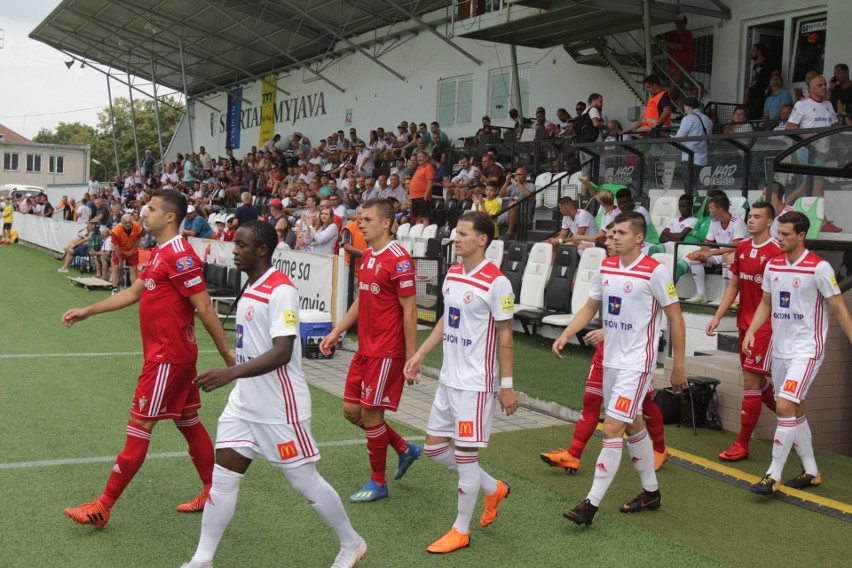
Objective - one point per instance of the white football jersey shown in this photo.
(609, 217)
(733, 233)
(269, 309)
(773, 229)
(809, 113)
(677, 224)
(633, 298)
(582, 220)
(472, 304)
(799, 309)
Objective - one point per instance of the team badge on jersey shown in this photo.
(796, 282)
(785, 299)
(614, 305)
(468, 297)
(289, 318)
(403, 266)
(185, 263)
(671, 290)
(239, 336)
(250, 313)
(628, 287)
(455, 317)
(508, 304)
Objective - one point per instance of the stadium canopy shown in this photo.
(204, 46)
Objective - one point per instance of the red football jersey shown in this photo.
(385, 277)
(749, 263)
(166, 316)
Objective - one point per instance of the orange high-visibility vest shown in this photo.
(652, 113)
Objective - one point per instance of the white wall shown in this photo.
(76, 164)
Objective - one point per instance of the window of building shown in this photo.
(501, 91)
(455, 100)
(58, 162)
(34, 163)
(10, 162)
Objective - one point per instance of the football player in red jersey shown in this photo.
(170, 293)
(386, 305)
(747, 270)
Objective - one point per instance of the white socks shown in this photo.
(217, 512)
(697, 269)
(469, 484)
(642, 453)
(324, 499)
(804, 447)
(785, 434)
(606, 467)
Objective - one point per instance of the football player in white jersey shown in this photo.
(268, 415)
(636, 288)
(478, 308)
(798, 286)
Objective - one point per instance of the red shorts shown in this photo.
(374, 382)
(594, 382)
(760, 361)
(165, 391)
(132, 260)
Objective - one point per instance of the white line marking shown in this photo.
(108, 459)
(118, 353)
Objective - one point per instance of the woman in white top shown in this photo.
(321, 237)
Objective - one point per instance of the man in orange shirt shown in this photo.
(420, 190)
(125, 239)
(353, 241)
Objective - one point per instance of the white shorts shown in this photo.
(793, 377)
(463, 415)
(284, 445)
(624, 391)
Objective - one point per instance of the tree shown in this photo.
(100, 137)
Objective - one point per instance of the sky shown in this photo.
(39, 91)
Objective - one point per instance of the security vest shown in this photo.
(358, 240)
(652, 113)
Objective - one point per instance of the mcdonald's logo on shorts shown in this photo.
(287, 450)
(465, 428)
(790, 386)
(622, 404)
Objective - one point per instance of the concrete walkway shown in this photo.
(330, 374)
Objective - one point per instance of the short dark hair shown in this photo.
(636, 220)
(721, 201)
(764, 205)
(685, 197)
(651, 79)
(482, 223)
(761, 48)
(566, 200)
(594, 97)
(262, 233)
(173, 202)
(775, 189)
(623, 193)
(842, 66)
(384, 207)
(799, 220)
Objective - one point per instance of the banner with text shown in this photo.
(235, 107)
(267, 108)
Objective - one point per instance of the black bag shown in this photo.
(705, 401)
(670, 406)
(584, 129)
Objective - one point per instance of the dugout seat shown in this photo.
(536, 273)
(587, 270)
(558, 293)
(814, 210)
(513, 265)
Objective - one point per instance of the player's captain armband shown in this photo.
(192, 282)
(508, 304)
(833, 281)
(289, 318)
(671, 290)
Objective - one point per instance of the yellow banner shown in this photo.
(267, 109)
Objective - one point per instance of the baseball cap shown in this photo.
(692, 102)
(190, 209)
(275, 203)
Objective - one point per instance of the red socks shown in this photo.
(654, 423)
(587, 424)
(749, 415)
(127, 463)
(397, 442)
(377, 447)
(767, 395)
(200, 448)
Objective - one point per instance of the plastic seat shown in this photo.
(558, 293)
(814, 210)
(536, 273)
(494, 252)
(513, 265)
(587, 270)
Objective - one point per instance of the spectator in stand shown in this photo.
(218, 230)
(70, 212)
(442, 174)
(516, 187)
(703, 97)
(148, 164)
(230, 229)
(491, 132)
(94, 185)
(694, 123)
(490, 172)
(286, 234)
(680, 225)
(678, 42)
(169, 179)
(190, 173)
(125, 241)
(276, 212)
(437, 134)
(776, 97)
(563, 120)
(101, 258)
(589, 127)
(321, 236)
(45, 208)
(519, 121)
(101, 211)
(579, 108)
(814, 112)
(195, 225)
(353, 242)
(740, 123)
(420, 190)
(658, 110)
(395, 189)
(247, 211)
(337, 207)
(575, 221)
(115, 215)
(841, 90)
(541, 122)
(461, 186)
(759, 83)
(489, 204)
(89, 240)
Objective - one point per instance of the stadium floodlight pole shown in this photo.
(133, 122)
(156, 108)
(516, 81)
(112, 122)
(186, 94)
(646, 27)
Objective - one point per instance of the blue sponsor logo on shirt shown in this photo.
(185, 263)
(455, 317)
(785, 299)
(614, 305)
(239, 336)
(403, 266)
